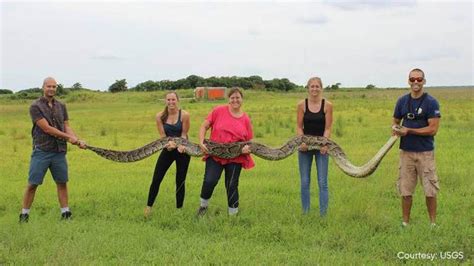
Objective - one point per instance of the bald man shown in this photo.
(50, 132)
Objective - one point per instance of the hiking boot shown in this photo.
(24, 217)
(201, 211)
(67, 215)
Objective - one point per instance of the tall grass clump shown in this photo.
(115, 142)
(339, 126)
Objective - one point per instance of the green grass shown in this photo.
(107, 198)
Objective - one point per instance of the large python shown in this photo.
(232, 150)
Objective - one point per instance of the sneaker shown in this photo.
(201, 211)
(24, 217)
(433, 226)
(67, 215)
(404, 225)
(233, 211)
(147, 212)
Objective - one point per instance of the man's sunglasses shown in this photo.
(52, 86)
(416, 79)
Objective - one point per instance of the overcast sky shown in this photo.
(352, 42)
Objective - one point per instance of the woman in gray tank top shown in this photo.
(171, 122)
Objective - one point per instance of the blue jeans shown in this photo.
(305, 160)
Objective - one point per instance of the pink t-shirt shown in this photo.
(226, 129)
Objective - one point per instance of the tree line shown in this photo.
(193, 81)
(33, 93)
(251, 83)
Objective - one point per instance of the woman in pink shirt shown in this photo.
(228, 124)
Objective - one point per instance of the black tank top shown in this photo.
(314, 123)
(174, 130)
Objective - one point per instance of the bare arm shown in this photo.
(395, 122)
(159, 125)
(328, 124)
(202, 131)
(430, 130)
(299, 118)
(184, 133)
(246, 148)
(186, 124)
(69, 136)
(68, 129)
(299, 124)
(202, 135)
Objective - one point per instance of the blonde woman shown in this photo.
(314, 117)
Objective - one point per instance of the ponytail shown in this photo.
(164, 115)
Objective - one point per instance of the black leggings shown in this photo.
(213, 174)
(162, 165)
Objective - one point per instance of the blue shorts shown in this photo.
(41, 161)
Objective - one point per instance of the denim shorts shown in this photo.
(41, 161)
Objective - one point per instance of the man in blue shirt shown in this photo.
(420, 114)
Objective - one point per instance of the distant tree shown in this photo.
(5, 91)
(25, 95)
(370, 87)
(256, 79)
(60, 90)
(166, 85)
(258, 86)
(279, 84)
(257, 82)
(118, 86)
(181, 84)
(194, 81)
(76, 86)
(287, 84)
(31, 90)
(149, 85)
(243, 83)
(215, 82)
(33, 93)
(334, 86)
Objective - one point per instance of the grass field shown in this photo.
(107, 198)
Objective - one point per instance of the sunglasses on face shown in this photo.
(51, 86)
(416, 79)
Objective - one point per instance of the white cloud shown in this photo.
(320, 20)
(370, 4)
